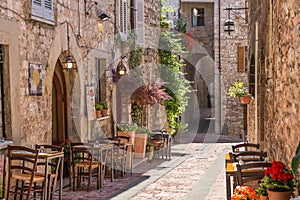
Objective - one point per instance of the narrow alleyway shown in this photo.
(195, 171)
(197, 174)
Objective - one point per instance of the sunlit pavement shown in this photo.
(197, 174)
(195, 171)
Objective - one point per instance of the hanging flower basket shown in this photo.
(245, 99)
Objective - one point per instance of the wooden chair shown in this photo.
(246, 146)
(246, 156)
(253, 171)
(158, 142)
(84, 164)
(120, 153)
(54, 165)
(22, 166)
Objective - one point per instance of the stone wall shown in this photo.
(233, 113)
(280, 51)
(43, 43)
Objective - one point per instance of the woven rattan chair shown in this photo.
(22, 167)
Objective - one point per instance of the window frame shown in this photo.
(43, 10)
(200, 18)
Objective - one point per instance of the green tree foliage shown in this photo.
(170, 48)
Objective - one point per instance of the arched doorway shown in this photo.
(59, 108)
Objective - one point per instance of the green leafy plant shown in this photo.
(126, 127)
(295, 161)
(99, 106)
(238, 89)
(262, 189)
(142, 129)
(170, 46)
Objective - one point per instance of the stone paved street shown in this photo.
(198, 174)
(195, 171)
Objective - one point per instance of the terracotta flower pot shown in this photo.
(245, 99)
(140, 143)
(263, 197)
(104, 112)
(279, 195)
(98, 113)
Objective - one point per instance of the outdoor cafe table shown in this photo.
(48, 156)
(231, 171)
(126, 145)
(101, 147)
(168, 142)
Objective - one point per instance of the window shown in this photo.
(198, 17)
(101, 82)
(43, 9)
(123, 19)
(252, 76)
(139, 22)
(2, 111)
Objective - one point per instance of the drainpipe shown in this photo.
(256, 81)
(220, 71)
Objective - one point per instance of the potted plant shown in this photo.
(149, 151)
(104, 109)
(244, 193)
(295, 164)
(128, 129)
(262, 191)
(279, 181)
(140, 141)
(239, 90)
(98, 108)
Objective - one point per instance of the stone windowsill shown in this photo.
(102, 118)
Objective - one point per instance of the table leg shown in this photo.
(112, 163)
(61, 177)
(228, 186)
(46, 180)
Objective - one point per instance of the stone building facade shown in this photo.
(34, 38)
(212, 81)
(275, 27)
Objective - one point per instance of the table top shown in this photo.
(4, 143)
(41, 154)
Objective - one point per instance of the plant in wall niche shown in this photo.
(147, 94)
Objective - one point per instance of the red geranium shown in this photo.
(278, 177)
(244, 193)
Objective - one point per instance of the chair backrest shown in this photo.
(246, 146)
(157, 139)
(248, 156)
(22, 160)
(55, 163)
(81, 152)
(253, 171)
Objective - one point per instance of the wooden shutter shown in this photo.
(48, 10)
(241, 59)
(37, 8)
(43, 9)
(123, 19)
(139, 21)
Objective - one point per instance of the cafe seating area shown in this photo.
(37, 171)
(245, 165)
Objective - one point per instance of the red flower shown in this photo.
(244, 193)
(278, 177)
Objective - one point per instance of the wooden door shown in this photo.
(59, 112)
